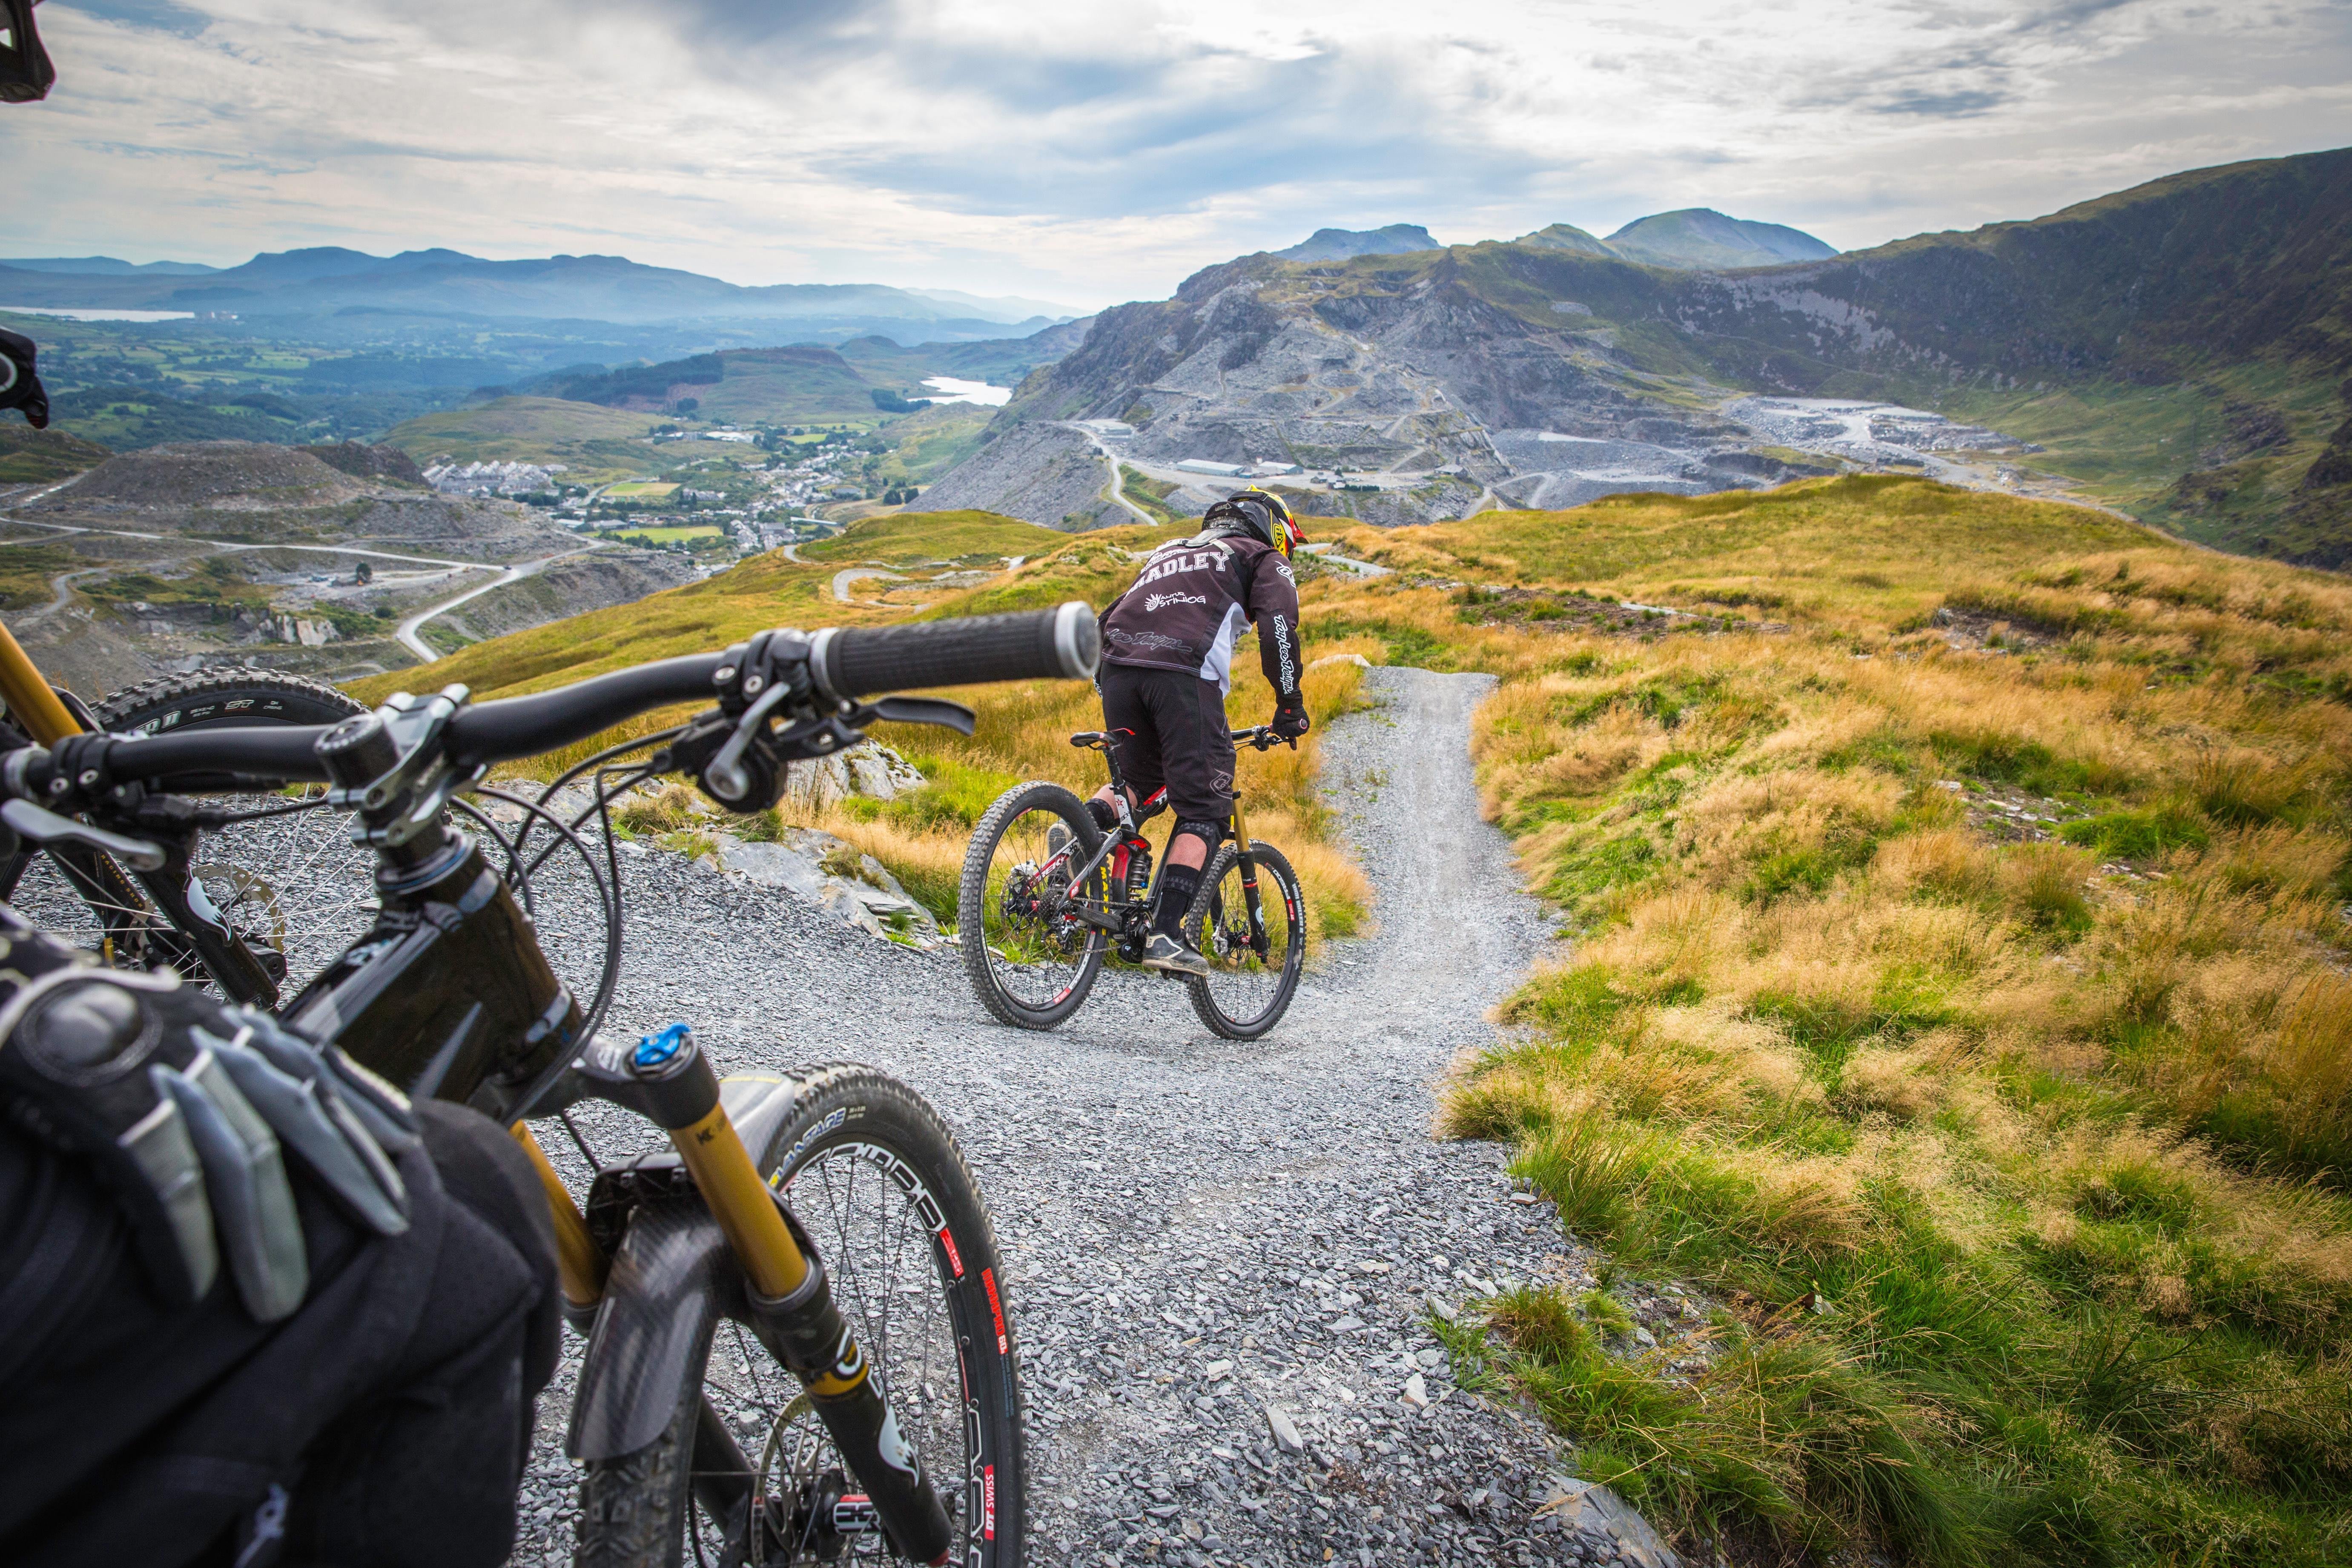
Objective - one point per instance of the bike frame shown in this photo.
(1115, 850)
(450, 995)
(192, 932)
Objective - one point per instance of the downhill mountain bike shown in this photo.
(800, 1346)
(1046, 896)
(257, 904)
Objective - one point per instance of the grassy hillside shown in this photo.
(1958, 1001)
(592, 443)
(30, 457)
(785, 386)
(962, 537)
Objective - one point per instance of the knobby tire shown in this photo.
(1278, 888)
(635, 1509)
(975, 898)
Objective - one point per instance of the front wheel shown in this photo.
(292, 887)
(876, 1179)
(1255, 945)
(1030, 958)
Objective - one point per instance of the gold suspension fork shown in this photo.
(792, 1306)
(36, 708)
(579, 1263)
(29, 696)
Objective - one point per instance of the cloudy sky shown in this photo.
(1090, 152)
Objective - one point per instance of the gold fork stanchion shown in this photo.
(579, 1263)
(29, 696)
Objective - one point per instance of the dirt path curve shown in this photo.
(1198, 1231)
(1115, 488)
(408, 630)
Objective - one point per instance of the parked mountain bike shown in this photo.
(1046, 896)
(823, 1221)
(259, 904)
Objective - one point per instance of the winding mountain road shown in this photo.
(1115, 489)
(407, 631)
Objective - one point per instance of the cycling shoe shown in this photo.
(1170, 956)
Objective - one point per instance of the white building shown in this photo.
(491, 479)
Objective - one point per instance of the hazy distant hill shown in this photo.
(1566, 236)
(1702, 237)
(802, 382)
(107, 267)
(328, 279)
(1339, 244)
(1693, 239)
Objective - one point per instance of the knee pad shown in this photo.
(1208, 833)
(1105, 815)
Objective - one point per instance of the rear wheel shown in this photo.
(1252, 974)
(877, 1181)
(1030, 960)
(293, 888)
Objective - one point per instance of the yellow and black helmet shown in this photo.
(1261, 514)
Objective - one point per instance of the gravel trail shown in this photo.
(1197, 1233)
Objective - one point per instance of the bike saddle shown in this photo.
(1090, 738)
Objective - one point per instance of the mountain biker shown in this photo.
(254, 1306)
(1167, 665)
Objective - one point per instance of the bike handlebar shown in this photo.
(1261, 737)
(843, 663)
(862, 661)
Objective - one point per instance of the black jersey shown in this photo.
(1195, 597)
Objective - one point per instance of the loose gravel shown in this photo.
(1221, 1257)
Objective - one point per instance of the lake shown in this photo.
(948, 389)
(104, 315)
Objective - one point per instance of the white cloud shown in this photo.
(1093, 153)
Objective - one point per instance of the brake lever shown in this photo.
(920, 710)
(47, 827)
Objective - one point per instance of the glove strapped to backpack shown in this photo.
(186, 1108)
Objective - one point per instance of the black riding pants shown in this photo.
(1169, 728)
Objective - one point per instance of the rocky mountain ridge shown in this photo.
(1538, 373)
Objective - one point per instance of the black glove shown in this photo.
(184, 1106)
(19, 387)
(1290, 719)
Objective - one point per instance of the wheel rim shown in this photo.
(1035, 957)
(44, 896)
(293, 885)
(866, 1209)
(1243, 983)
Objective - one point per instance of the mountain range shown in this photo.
(2180, 349)
(330, 280)
(1692, 238)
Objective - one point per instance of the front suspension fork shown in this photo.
(792, 1306)
(1251, 899)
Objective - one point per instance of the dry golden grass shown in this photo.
(2076, 1111)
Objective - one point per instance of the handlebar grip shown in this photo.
(861, 661)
